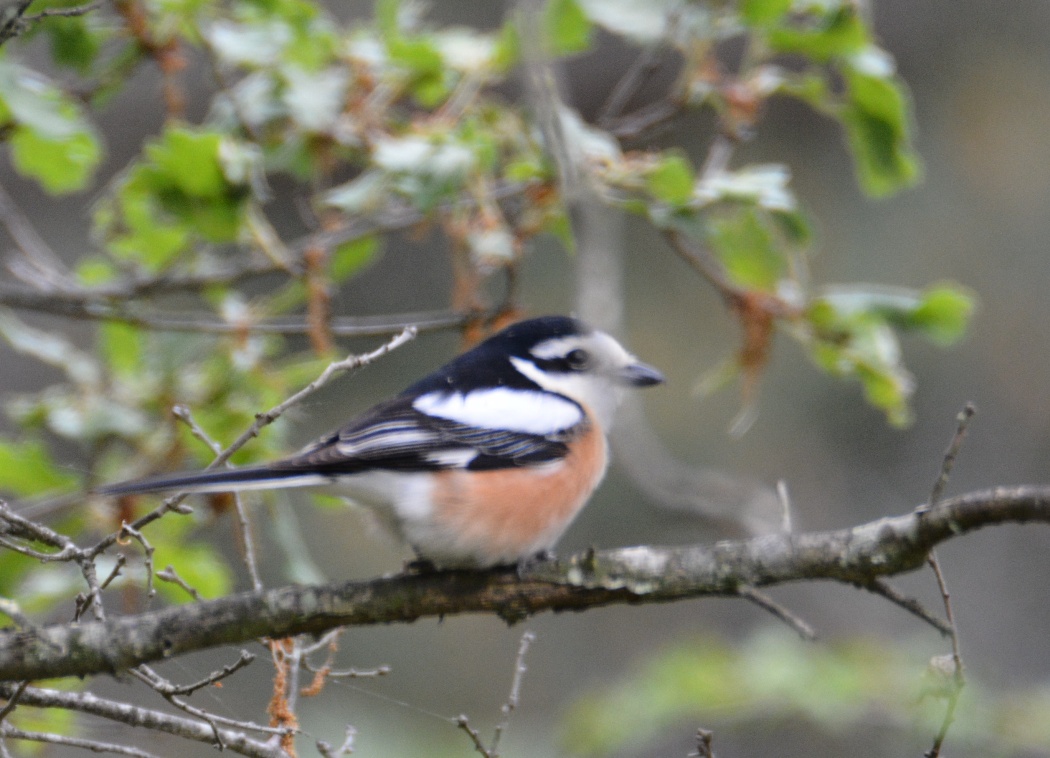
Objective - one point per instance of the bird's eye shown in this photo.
(578, 359)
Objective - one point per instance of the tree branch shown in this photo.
(142, 718)
(633, 575)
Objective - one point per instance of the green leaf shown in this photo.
(52, 142)
(763, 12)
(26, 469)
(567, 26)
(94, 271)
(60, 165)
(508, 48)
(121, 346)
(189, 162)
(745, 244)
(853, 337)
(75, 42)
(823, 34)
(671, 180)
(876, 117)
(351, 257)
(944, 313)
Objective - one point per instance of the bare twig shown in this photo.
(461, 721)
(464, 723)
(643, 67)
(704, 264)
(346, 748)
(10, 609)
(350, 363)
(40, 264)
(963, 424)
(9, 732)
(142, 718)
(12, 700)
(168, 574)
(703, 745)
(513, 696)
(784, 497)
(764, 601)
(12, 22)
(958, 675)
(182, 413)
(884, 589)
(79, 10)
(170, 692)
(216, 676)
(147, 554)
(118, 566)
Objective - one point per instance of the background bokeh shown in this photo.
(979, 73)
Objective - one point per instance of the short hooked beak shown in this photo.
(640, 374)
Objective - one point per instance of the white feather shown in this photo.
(401, 437)
(503, 408)
(452, 458)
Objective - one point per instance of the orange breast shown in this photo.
(503, 515)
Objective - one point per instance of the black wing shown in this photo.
(395, 436)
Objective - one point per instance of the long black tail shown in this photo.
(219, 480)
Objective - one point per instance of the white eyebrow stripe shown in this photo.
(556, 347)
(524, 411)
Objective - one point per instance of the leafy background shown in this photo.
(978, 75)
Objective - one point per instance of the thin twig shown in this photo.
(962, 425)
(118, 565)
(703, 744)
(784, 497)
(147, 554)
(881, 587)
(11, 609)
(46, 266)
(80, 10)
(515, 690)
(139, 717)
(168, 688)
(168, 574)
(704, 264)
(350, 363)
(958, 676)
(95, 746)
(764, 601)
(464, 723)
(346, 748)
(461, 721)
(182, 413)
(12, 701)
(627, 87)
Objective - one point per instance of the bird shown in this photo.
(484, 462)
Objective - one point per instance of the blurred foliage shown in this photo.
(775, 678)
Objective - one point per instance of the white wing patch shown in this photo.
(385, 437)
(526, 411)
(454, 458)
